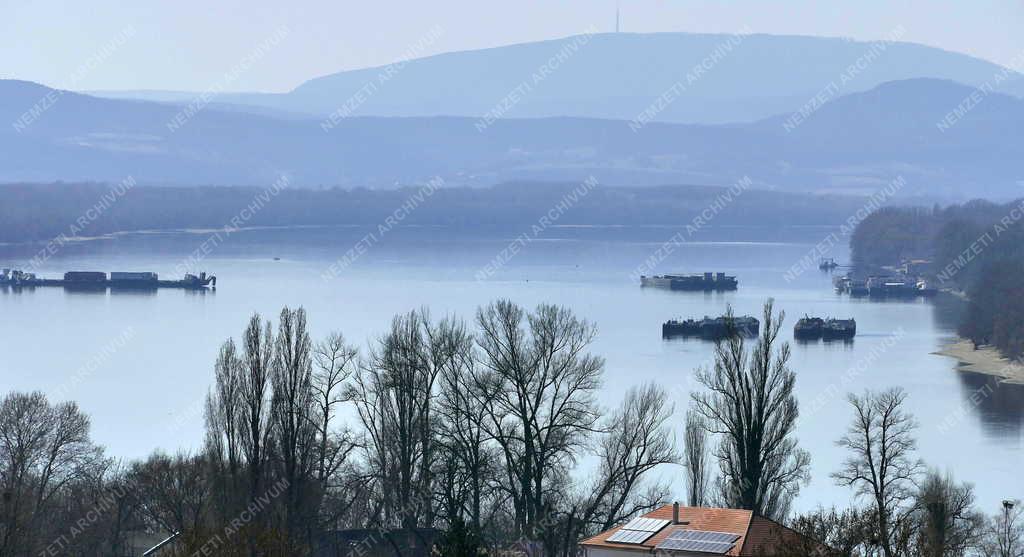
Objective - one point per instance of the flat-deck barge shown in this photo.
(709, 328)
(884, 287)
(86, 280)
(814, 328)
(707, 282)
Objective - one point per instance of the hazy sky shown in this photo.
(192, 44)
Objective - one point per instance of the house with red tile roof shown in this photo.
(677, 531)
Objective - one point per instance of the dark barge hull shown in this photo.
(724, 285)
(118, 284)
(809, 329)
(706, 282)
(710, 329)
(807, 334)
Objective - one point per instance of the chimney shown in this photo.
(675, 512)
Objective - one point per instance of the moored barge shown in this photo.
(814, 328)
(708, 282)
(898, 287)
(884, 287)
(808, 328)
(86, 280)
(839, 329)
(709, 328)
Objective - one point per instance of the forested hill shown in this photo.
(929, 132)
(976, 247)
(616, 75)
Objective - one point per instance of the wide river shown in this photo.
(140, 363)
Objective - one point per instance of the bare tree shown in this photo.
(44, 450)
(637, 441)
(223, 411)
(698, 476)
(1004, 535)
(540, 383)
(830, 532)
(468, 471)
(254, 419)
(335, 362)
(174, 491)
(394, 394)
(254, 394)
(293, 432)
(881, 465)
(947, 524)
(750, 404)
(94, 515)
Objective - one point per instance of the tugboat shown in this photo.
(717, 328)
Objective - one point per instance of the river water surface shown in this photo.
(139, 363)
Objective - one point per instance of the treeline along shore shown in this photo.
(975, 249)
(41, 212)
(471, 437)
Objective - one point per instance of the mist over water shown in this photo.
(140, 363)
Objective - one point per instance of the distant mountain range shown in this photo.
(711, 78)
(929, 131)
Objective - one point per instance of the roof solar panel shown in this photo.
(629, 536)
(690, 545)
(702, 541)
(703, 535)
(646, 524)
(638, 530)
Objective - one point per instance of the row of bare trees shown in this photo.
(480, 430)
(477, 430)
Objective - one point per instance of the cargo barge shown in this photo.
(709, 328)
(884, 287)
(706, 282)
(808, 328)
(88, 280)
(814, 328)
(839, 329)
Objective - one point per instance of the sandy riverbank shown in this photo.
(985, 360)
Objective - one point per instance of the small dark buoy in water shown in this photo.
(277, 259)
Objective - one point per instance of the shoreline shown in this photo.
(985, 360)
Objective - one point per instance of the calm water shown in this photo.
(140, 363)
